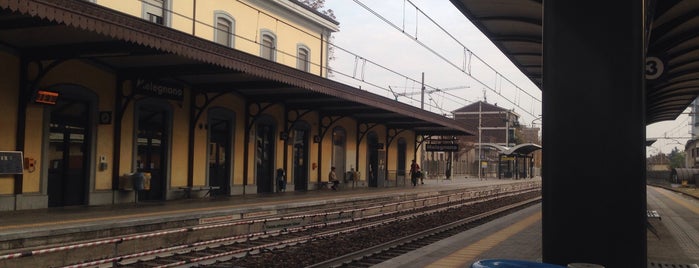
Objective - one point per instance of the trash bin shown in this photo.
(126, 182)
(138, 181)
(502, 263)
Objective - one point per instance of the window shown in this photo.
(268, 46)
(154, 11)
(155, 18)
(302, 59)
(223, 32)
(225, 29)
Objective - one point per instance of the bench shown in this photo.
(188, 190)
(323, 185)
(653, 214)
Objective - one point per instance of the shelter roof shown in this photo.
(650, 142)
(57, 30)
(680, 174)
(519, 149)
(495, 146)
(522, 149)
(515, 27)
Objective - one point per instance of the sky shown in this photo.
(388, 55)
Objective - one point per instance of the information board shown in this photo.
(11, 162)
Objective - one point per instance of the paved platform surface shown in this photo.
(19, 224)
(673, 241)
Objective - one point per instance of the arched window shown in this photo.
(268, 46)
(303, 56)
(225, 29)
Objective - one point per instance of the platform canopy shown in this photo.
(56, 30)
(672, 65)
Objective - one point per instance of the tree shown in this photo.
(319, 5)
(676, 158)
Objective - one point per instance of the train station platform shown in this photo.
(673, 237)
(35, 228)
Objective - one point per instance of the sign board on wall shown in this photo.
(159, 89)
(11, 162)
(46, 97)
(441, 147)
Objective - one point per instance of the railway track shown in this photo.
(367, 245)
(237, 247)
(238, 240)
(391, 249)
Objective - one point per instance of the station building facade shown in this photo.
(195, 94)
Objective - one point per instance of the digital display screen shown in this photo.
(46, 97)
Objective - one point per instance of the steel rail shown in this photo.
(378, 249)
(346, 230)
(461, 196)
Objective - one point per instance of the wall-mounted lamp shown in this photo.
(316, 139)
(283, 135)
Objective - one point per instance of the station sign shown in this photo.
(655, 67)
(159, 89)
(442, 147)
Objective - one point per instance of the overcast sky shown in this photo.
(392, 54)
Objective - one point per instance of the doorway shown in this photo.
(152, 149)
(402, 158)
(300, 156)
(68, 152)
(264, 157)
(339, 152)
(220, 125)
(373, 159)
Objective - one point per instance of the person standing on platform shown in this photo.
(281, 180)
(448, 172)
(415, 173)
(332, 177)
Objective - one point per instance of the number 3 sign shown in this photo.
(654, 68)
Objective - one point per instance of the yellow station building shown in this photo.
(195, 95)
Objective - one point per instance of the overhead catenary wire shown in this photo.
(363, 60)
(414, 38)
(464, 46)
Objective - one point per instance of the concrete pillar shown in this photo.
(594, 199)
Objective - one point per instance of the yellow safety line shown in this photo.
(694, 208)
(468, 254)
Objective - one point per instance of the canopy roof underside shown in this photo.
(515, 27)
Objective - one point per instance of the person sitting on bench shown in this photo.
(332, 177)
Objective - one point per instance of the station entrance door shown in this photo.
(152, 142)
(68, 153)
